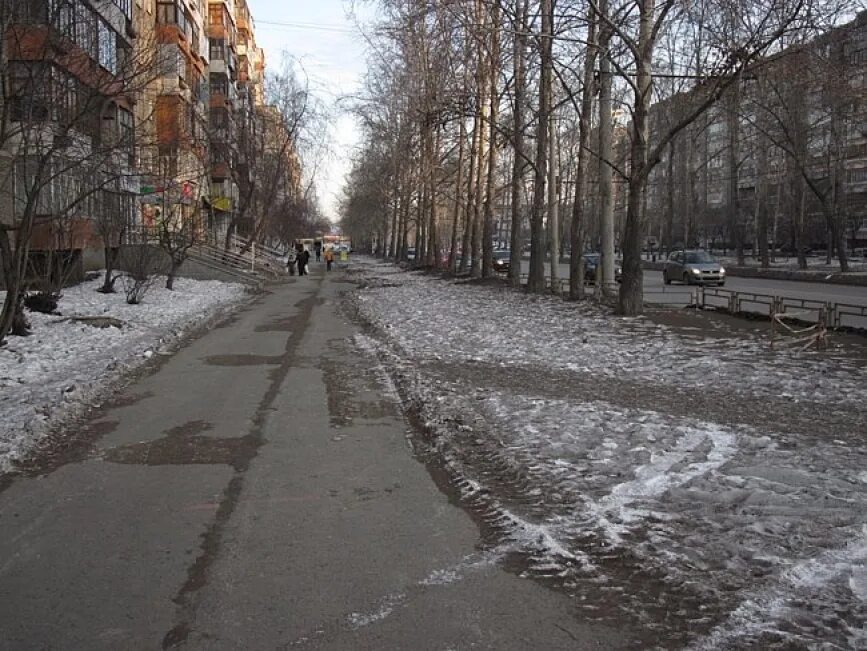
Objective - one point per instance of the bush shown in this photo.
(44, 302)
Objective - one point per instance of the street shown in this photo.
(850, 294)
(258, 491)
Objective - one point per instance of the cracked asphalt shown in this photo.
(258, 491)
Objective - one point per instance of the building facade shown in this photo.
(125, 114)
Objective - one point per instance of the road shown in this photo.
(257, 491)
(657, 292)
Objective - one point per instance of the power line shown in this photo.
(324, 27)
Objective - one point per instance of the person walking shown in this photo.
(329, 259)
(291, 257)
(299, 258)
(318, 247)
(305, 256)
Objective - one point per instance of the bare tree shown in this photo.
(66, 127)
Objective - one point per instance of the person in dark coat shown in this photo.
(300, 260)
(303, 260)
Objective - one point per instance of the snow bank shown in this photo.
(65, 365)
(711, 490)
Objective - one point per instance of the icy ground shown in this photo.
(65, 365)
(704, 488)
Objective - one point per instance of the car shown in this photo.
(502, 260)
(693, 268)
(591, 262)
(410, 254)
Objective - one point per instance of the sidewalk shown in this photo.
(258, 491)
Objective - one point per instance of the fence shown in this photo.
(811, 311)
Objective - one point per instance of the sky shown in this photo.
(323, 37)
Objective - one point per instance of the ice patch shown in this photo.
(765, 610)
(386, 607)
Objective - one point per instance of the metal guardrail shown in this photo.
(837, 315)
(258, 255)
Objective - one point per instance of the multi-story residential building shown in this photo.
(67, 150)
(173, 131)
(144, 112)
(222, 82)
(800, 135)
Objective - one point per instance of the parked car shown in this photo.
(502, 260)
(693, 268)
(410, 254)
(591, 262)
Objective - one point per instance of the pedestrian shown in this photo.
(318, 247)
(305, 254)
(299, 258)
(329, 259)
(290, 261)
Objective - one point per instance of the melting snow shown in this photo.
(65, 365)
(584, 439)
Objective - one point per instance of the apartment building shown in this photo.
(67, 151)
(172, 132)
(126, 114)
(801, 119)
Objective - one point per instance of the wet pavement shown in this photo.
(259, 490)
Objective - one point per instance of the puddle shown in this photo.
(242, 360)
(280, 325)
(344, 383)
(183, 445)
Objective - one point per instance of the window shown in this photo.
(126, 132)
(167, 12)
(86, 30)
(219, 84)
(858, 176)
(63, 16)
(34, 186)
(66, 103)
(215, 15)
(217, 48)
(125, 6)
(107, 47)
(30, 92)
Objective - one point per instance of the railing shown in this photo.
(200, 251)
(835, 315)
(258, 256)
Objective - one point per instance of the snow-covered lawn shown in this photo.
(711, 490)
(65, 365)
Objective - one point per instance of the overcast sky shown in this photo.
(320, 35)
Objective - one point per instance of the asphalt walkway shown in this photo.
(257, 491)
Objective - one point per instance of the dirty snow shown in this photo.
(706, 488)
(64, 366)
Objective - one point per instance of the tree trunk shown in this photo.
(471, 190)
(173, 271)
(518, 163)
(481, 175)
(736, 228)
(111, 254)
(605, 270)
(576, 261)
(631, 299)
(536, 280)
(14, 272)
(456, 214)
(553, 207)
(762, 202)
(433, 247)
(493, 113)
